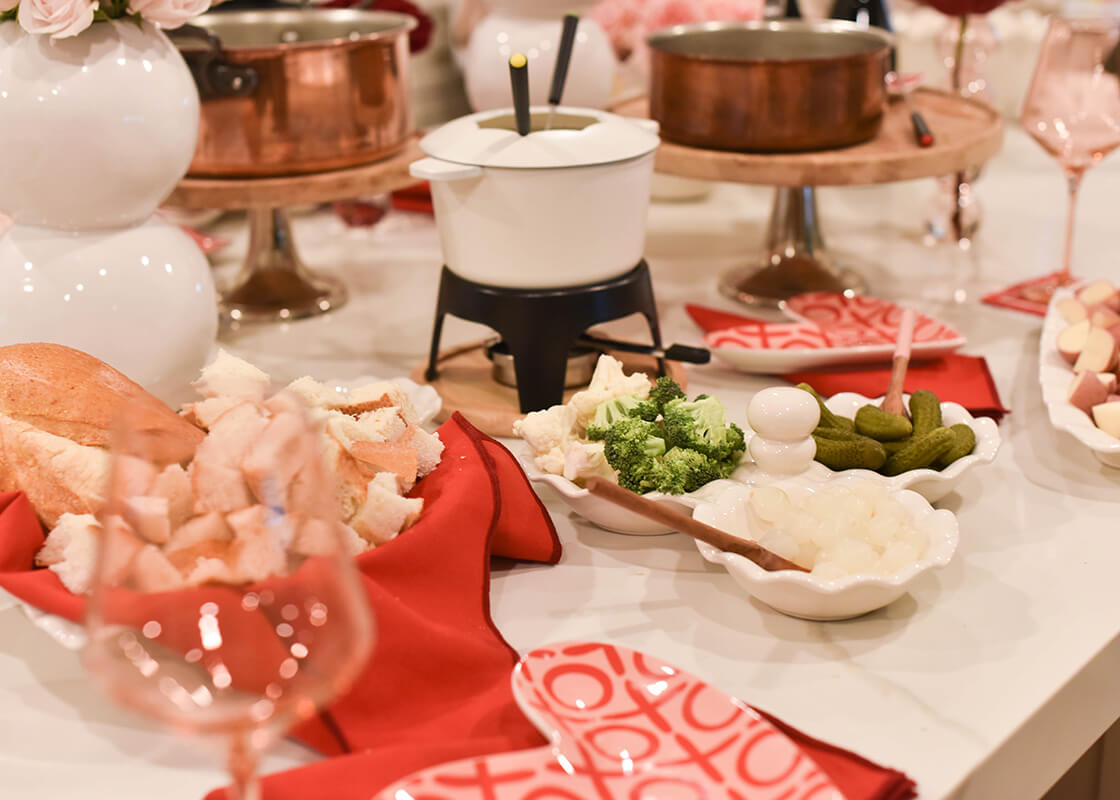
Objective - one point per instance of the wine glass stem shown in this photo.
(243, 769)
(1073, 180)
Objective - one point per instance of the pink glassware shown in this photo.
(1072, 109)
(241, 660)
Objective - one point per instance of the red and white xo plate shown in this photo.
(625, 726)
(828, 330)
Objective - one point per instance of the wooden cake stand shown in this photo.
(966, 134)
(274, 283)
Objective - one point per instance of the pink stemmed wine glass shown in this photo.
(225, 601)
(1072, 109)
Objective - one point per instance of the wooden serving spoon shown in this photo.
(608, 490)
(892, 401)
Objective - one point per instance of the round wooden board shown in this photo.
(381, 176)
(966, 134)
(465, 384)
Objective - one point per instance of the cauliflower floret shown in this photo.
(547, 430)
(608, 381)
(584, 460)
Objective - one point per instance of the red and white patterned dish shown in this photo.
(625, 726)
(829, 329)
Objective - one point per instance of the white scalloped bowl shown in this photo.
(1055, 375)
(604, 513)
(931, 484)
(800, 594)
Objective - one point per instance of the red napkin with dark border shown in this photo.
(416, 198)
(953, 378)
(437, 687)
(1030, 296)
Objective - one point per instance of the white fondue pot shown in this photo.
(559, 207)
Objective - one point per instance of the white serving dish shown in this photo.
(777, 361)
(1055, 375)
(604, 513)
(826, 330)
(931, 484)
(800, 594)
(559, 207)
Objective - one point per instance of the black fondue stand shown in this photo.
(540, 327)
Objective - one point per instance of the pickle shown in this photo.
(896, 445)
(882, 425)
(964, 440)
(859, 452)
(828, 419)
(921, 451)
(925, 412)
(829, 432)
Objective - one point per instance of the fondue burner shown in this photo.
(541, 327)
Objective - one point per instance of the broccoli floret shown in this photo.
(609, 412)
(664, 391)
(702, 425)
(734, 446)
(632, 447)
(681, 471)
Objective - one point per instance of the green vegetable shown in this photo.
(632, 447)
(682, 471)
(881, 425)
(859, 452)
(925, 411)
(667, 443)
(964, 440)
(828, 419)
(921, 451)
(664, 391)
(895, 446)
(829, 432)
(701, 424)
(611, 411)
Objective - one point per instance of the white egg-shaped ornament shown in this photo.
(782, 458)
(784, 414)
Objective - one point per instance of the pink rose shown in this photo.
(59, 18)
(168, 13)
(8, 5)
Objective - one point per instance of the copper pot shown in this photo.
(769, 87)
(297, 91)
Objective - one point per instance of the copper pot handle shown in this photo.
(214, 73)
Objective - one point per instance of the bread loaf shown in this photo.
(58, 407)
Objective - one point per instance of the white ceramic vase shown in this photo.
(533, 27)
(95, 131)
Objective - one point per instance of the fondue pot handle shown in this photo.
(436, 169)
(214, 73)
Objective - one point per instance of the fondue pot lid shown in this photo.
(578, 137)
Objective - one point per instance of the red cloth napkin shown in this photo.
(416, 198)
(1030, 297)
(953, 378)
(437, 687)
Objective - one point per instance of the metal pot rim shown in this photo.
(658, 37)
(396, 25)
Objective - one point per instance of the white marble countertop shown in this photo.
(986, 682)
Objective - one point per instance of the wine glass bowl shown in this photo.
(238, 623)
(1072, 109)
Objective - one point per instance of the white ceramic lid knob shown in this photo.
(783, 414)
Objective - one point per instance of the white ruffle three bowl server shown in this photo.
(563, 206)
(95, 132)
